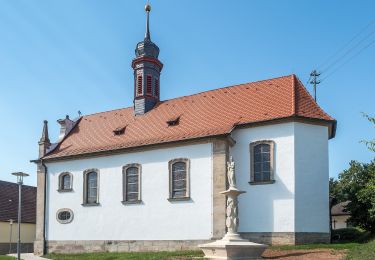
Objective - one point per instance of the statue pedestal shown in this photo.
(232, 246)
(233, 250)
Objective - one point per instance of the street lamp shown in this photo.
(10, 235)
(20, 176)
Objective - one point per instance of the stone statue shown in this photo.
(231, 175)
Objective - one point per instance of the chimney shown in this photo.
(65, 126)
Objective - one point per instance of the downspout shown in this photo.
(44, 206)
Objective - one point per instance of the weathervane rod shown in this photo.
(148, 9)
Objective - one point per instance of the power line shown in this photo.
(331, 65)
(351, 58)
(347, 43)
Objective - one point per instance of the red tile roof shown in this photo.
(209, 113)
(9, 202)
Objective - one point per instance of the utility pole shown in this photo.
(314, 75)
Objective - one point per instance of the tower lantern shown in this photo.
(147, 68)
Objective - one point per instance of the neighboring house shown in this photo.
(340, 215)
(9, 213)
(149, 177)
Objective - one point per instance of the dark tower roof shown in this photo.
(147, 47)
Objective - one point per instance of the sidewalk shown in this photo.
(29, 256)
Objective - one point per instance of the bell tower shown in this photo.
(147, 68)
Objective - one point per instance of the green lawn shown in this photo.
(362, 252)
(182, 255)
(4, 257)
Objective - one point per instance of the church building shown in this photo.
(149, 176)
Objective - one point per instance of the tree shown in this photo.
(370, 144)
(358, 186)
(336, 192)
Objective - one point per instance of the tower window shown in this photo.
(149, 85)
(157, 87)
(139, 85)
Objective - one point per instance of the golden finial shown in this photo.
(147, 7)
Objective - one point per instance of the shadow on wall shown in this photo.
(6, 248)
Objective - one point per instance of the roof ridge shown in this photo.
(294, 95)
(23, 185)
(199, 93)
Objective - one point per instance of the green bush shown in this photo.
(348, 235)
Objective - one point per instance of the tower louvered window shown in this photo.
(149, 85)
(157, 87)
(139, 85)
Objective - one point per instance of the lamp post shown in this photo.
(20, 176)
(10, 235)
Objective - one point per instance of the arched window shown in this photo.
(131, 175)
(262, 162)
(179, 179)
(65, 182)
(91, 187)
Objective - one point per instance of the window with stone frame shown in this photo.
(91, 187)
(65, 182)
(179, 188)
(262, 162)
(131, 175)
(64, 216)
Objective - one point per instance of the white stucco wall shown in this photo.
(155, 219)
(298, 200)
(340, 222)
(269, 207)
(312, 176)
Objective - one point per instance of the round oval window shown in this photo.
(64, 216)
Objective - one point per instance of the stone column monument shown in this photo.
(232, 246)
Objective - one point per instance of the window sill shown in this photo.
(131, 202)
(90, 204)
(179, 199)
(65, 190)
(261, 182)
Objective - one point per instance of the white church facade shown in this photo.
(149, 177)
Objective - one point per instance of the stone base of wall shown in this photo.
(25, 248)
(87, 246)
(286, 238)
(312, 237)
(269, 238)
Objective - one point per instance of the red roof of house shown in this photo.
(210, 113)
(9, 202)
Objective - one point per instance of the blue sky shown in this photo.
(58, 57)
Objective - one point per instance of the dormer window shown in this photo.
(173, 121)
(119, 130)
